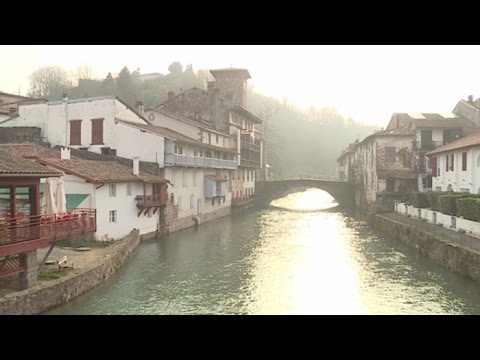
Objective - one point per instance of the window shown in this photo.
(112, 216)
(195, 152)
(129, 189)
(76, 132)
(446, 162)
(184, 178)
(217, 139)
(194, 175)
(179, 203)
(464, 161)
(209, 138)
(452, 167)
(248, 175)
(389, 155)
(112, 190)
(97, 132)
(224, 142)
(178, 149)
(192, 201)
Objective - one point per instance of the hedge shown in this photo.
(469, 208)
(432, 198)
(419, 199)
(447, 203)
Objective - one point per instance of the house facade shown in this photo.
(456, 166)
(431, 131)
(223, 108)
(381, 163)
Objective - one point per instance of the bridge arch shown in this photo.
(267, 191)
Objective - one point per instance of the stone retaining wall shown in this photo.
(453, 256)
(48, 295)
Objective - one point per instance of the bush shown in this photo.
(432, 198)
(419, 199)
(447, 203)
(469, 208)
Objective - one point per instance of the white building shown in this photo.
(194, 168)
(124, 198)
(431, 131)
(91, 124)
(456, 166)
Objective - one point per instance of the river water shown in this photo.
(300, 256)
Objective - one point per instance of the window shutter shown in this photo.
(76, 132)
(464, 161)
(433, 165)
(97, 131)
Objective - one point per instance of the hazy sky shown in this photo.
(367, 83)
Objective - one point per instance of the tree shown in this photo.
(175, 68)
(50, 82)
(84, 72)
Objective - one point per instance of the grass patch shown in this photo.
(83, 242)
(51, 275)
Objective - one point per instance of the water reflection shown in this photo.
(279, 261)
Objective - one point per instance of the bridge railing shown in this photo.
(320, 178)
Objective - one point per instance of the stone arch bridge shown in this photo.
(267, 191)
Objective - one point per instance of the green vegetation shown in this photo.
(448, 203)
(52, 274)
(83, 242)
(419, 199)
(469, 208)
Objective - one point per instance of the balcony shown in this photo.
(194, 161)
(147, 201)
(26, 233)
(250, 163)
(249, 146)
(418, 145)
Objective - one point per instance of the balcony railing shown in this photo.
(47, 228)
(250, 146)
(418, 145)
(194, 161)
(145, 201)
(250, 163)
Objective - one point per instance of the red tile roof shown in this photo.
(30, 150)
(171, 134)
(231, 70)
(432, 120)
(100, 171)
(13, 165)
(467, 141)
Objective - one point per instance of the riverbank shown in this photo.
(455, 251)
(89, 270)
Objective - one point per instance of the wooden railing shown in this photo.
(48, 228)
(144, 201)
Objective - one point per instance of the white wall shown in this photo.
(183, 190)
(131, 141)
(186, 129)
(127, 211)
(459, 179)
(125, 113)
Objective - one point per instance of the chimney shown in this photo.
(171, 95)
(65, 153)
(12, 111)
(140, 108)
(210, 86)
(135, 165)
(470, 99)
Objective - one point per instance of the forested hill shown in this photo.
(299, 143)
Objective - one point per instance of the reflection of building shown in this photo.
(23, 229)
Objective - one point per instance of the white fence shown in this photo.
(435, 217)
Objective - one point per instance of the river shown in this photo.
(300, 256)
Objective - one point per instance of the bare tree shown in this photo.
(84, 71)
(50, 82)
